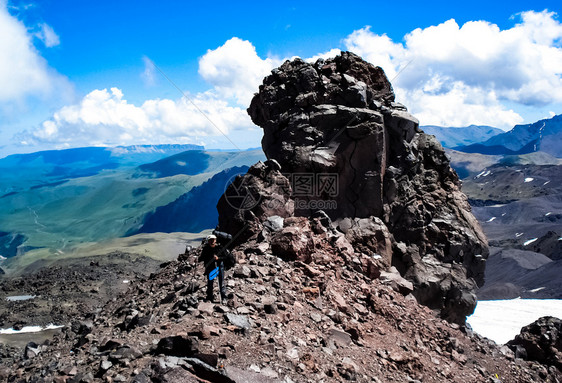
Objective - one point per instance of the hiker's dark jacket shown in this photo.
(207, 254)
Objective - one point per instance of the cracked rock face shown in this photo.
(395, 194)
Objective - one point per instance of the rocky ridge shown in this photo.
(397, 200)
(284, 321)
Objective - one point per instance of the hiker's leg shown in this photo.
(209, 289)
(221, 281)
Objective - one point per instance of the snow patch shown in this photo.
(526, 243)
(529, 179)
(126, 281)
(15, 298)
(547, 214)
(502, 320)
(491, 219)
(27, 329)
(483, 173)
(537, 289)
(546, 183)
(517, 235)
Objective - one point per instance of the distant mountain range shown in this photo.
(544, 135)
(52, 200)
(514, 183)
(471, 164)
(47, 168)
(451, 137)
(520, 209)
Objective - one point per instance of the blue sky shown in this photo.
(79, 72)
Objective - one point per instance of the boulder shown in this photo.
(396, 282)
(541, 341)
(32, 349)
(370, 236)
(178, 346)
(241, 322)
(294, 241)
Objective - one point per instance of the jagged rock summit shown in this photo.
(353, 178)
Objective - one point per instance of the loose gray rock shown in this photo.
(240, 321)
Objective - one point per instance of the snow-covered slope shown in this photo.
(501, 320)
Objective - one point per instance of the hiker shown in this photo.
(211, 257)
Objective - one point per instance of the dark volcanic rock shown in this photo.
(542, 341)
(293, 242)
(178, 346)
(549, 245)
(250, 199)
(337, 141)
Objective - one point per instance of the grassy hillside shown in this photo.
(56, 216)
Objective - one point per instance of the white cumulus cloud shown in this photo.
(326, 55)
(104, 117)
(447, 74)
(458, 75)
(47, 35)
(235, 70)
(23, 71)
(148, 76)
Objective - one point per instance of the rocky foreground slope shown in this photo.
(284, 321)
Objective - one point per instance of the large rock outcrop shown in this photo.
(540, 341)
(336, 141)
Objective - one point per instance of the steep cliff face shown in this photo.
(337, 142)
